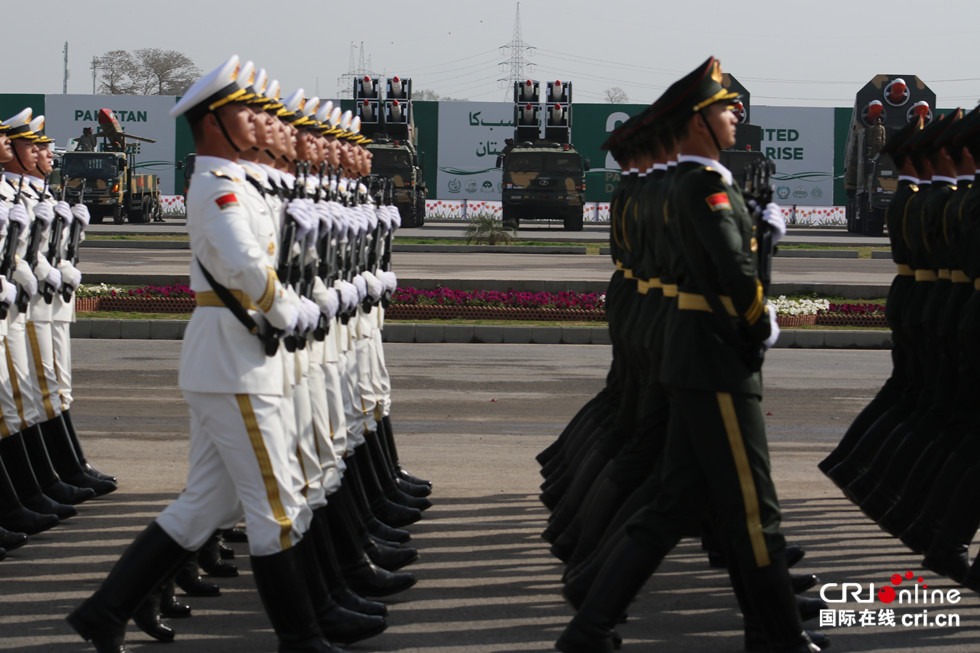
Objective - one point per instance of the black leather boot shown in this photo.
(234, 535)
(387, 511)
(26, 483)
(387, 477)
(148, 618)
(282, 588)
(390, 441)
(29, 467)
(188, 578)
(14, 516)
(337, 623)
(77, 446)
(339, 589)
(102, 618)
(209, 559)
(170, 607)
(770, 593)
(388, 557)
(629, 566)
(62, 454)
(351, 494)
(10, 540)
(362, 575)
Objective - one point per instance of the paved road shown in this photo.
(449, 268)
(543, 231)
(470, 417)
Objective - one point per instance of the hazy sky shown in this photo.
(816, 53)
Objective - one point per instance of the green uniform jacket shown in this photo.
(715, 229)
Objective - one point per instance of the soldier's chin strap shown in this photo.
(710, 130)
(225, 132)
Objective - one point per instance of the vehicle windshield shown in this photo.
(544, 162)
(90, 167)
(390, 160)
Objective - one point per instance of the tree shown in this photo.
(431, 96)
(116, 69)
(146, 71)
(616, 95)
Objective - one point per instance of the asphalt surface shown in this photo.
(470, 418)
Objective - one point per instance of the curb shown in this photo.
(136, 244)
(406, 332)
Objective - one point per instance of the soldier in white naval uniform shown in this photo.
(238, 458)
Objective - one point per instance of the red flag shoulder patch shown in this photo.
(226, 201)
(718, 201)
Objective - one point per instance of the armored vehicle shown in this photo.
(543, 178)
(112, 186)
(389, 122)
(882, 106)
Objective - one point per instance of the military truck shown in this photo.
(112, 188)
(882, 106)
(389, 122)
(542, 178)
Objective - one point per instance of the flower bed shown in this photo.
(417, 312)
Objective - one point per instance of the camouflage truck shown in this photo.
(542, 178)
(112, 188)
(389, 122)
(543, 181)
(882, 106)
(399, 161)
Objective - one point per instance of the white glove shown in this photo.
(70, 275)
(53, 278)
(63, 210)
(299, 211)
(361, 285)
(293, 320)
(375, 287)
(396, 217)
(25, 279)
(331, 304)
(769, 342)
(44, 213)
(323, 213)
(4, 210)
(80, 211)
(389, 279)
(19, 215)
(773, 216)
(309, 315)
(8, 292)
(348, 295)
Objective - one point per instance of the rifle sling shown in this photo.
(240, 312)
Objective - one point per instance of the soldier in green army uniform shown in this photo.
(890, 394)
(927, 239)
(716, 455)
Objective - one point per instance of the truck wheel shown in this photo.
(573, 222)
(117, 214)
(420, 209)
(510, 220)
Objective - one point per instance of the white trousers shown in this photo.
(61, 339)
(238, 462)
(26, 394)
(9, 417)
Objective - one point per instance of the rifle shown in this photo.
(54, 243)
(74, 236)
(758, 187)
(294, 270)
(33, 245)
(9, 262)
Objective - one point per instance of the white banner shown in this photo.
(140, 115)
(801, 142)
(471, 135)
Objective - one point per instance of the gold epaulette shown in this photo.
(221, 174)
(945, 274)
(925, 275)
(959, 276)
(905, 270)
